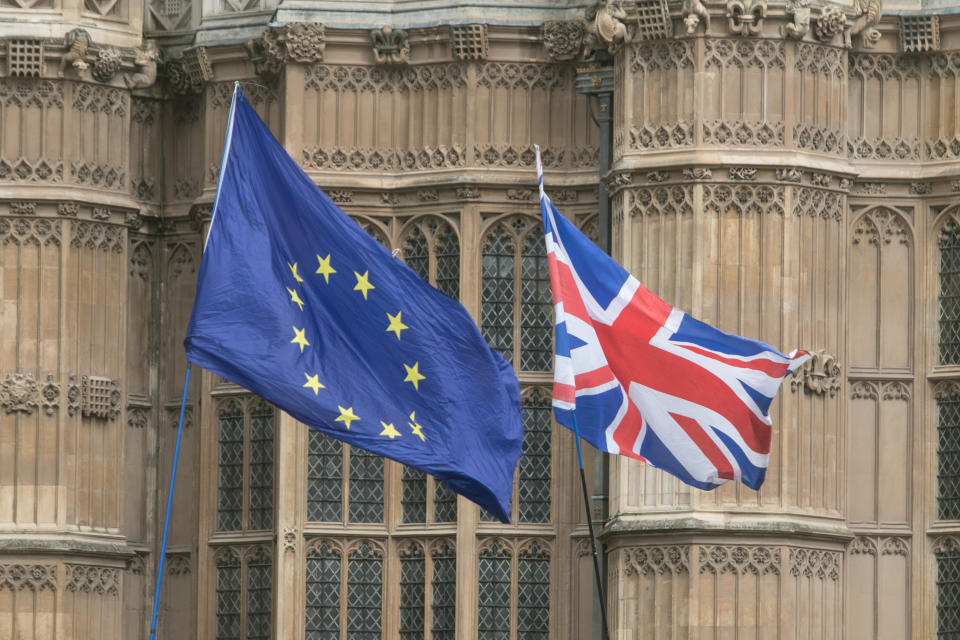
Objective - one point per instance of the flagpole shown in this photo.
(166, 521)
(593, 538)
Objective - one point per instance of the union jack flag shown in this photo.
(648, 381)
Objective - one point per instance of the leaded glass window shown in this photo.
(261, 466)
(516, 301)
(244, 593)
(414, 498)
(366, 486)
(245, 464)
(533, 593)
(230, 467)
(949, 297)
(432, 249)
(322, 608)
(444, 503)
(494, 593)
(534, 468)
(229, 597)
(948, 592)
(412, 592)
(444, 587)
(514, 590)
(374, 229)
(364, 593)
(948, 451)
(324, 478)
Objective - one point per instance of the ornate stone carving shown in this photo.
(77, 42)
(106, 65)
(187, 75)
(894, 546)
(919, 33)
(800, 10)
(603, 27)
(809, 563)
(744, 199)
(865, 24)
(92, 235)
(290, 538)
(739, 560)
(862, 545)
(146, 62)
(178, 564)
(788, 175)
(428, 195)
(390, 46)
(946, 544)
(820, 375)
(73, 396)
(672, 560)
(818, 203)
(353, 78)
(341, 196)
(173, 417)
(563, 40)
(832, 21)
(743, 53)
(565, 195)
(103, 175)
(23, 231)
(895, 390)
(19, 392)
(525, 76)
(820, 179)
(880, 224)
(817, 138)
(864, 390)
(693, 12)
(742, 173)
(468, 193)
(389, 198)
(138, 417)
(663, 201)
(99, 397)
(657, 176)
(68, 209)
(186, 188)
(32, 577)
(679, 134)
(742, 132)
(656, 56)
(141, 261)
(23, 208)
(50, 395)
(468, 41)
(137, 564)
(921, 188)
(100, 213)
(22, 170)
(379, 160)
(81, 578)
(745, 18)
(697, 173)
(524, 195)
(871, 188)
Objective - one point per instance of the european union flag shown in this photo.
(299, 305)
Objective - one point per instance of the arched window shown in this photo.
(327, 483)
(502, 611)
(244, 593)
(245, 464)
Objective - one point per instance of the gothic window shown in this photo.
(359, 577)
(244, 593)
(418, 577)
(516, 302)
(335, 470)
(245, 464)
(443, 584)
(948, 592)
(374, 229)
(948, 451)
(412, 593)
(504, 611)
(949, 298)
(533, 482)
(432, 249)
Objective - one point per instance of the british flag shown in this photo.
(644, 379)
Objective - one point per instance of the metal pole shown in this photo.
(166, 522)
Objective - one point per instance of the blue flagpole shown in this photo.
(593, 538)
(166, 522)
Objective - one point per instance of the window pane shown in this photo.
(948, 594)
(324, 479)
(950, 295)
(447, 249)
(444, 503)
(323, 594)
(228, 596)
(412, 576)
(444, 586)
(230, 466)
(533, 594)
(364, 594)
(261, 467)
(534, 480)
(416, 254)
(536, 308)
(948, 457)
(497, 303)
(259, 600)
(494, 594)
(366, 486)
(414, 499)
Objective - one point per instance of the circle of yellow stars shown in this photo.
(395, 325)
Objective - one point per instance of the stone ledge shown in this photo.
(691, 526)
(63, 546)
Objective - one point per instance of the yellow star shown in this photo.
(325, 269)
(413, 375)
(389, 430)
(300, 338)
(295, 298)
(346, 416)
(396, 325)
(293, 270)
(313, 382)
(416, 427)
(363, 284)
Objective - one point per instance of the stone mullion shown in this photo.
(289, 498)
(207, 490)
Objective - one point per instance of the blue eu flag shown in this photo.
(299, 305)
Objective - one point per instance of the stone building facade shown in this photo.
(790, 172)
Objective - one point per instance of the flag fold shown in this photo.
(645, 380)
(298, 304)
